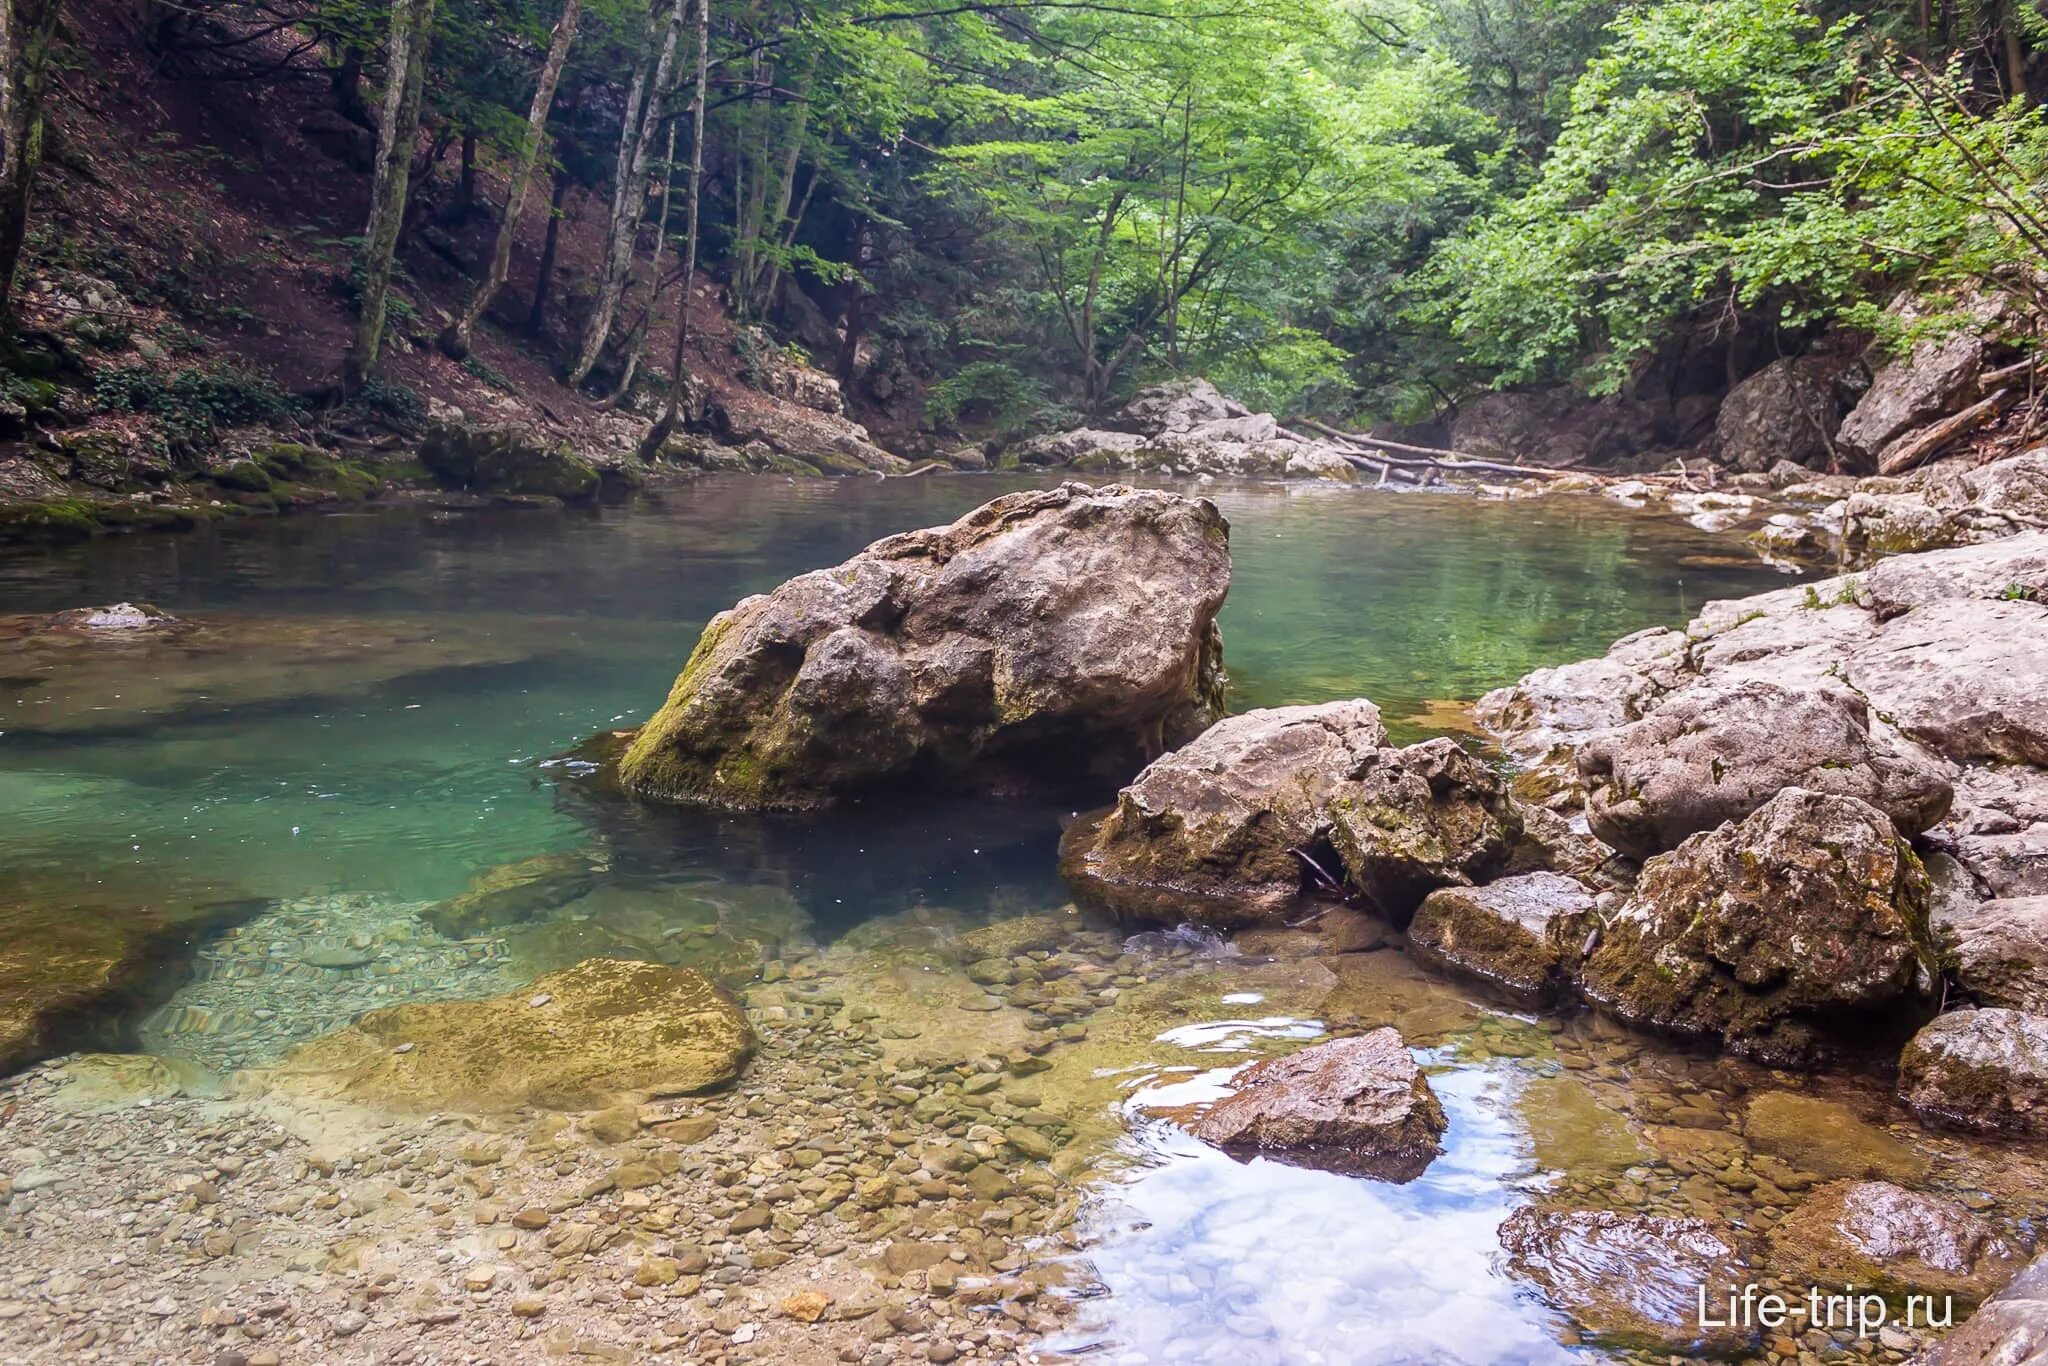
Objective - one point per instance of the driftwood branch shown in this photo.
(1427, 457)
(1992, 378)
(1916, 448)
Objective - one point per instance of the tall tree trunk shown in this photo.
(848, 364)
(2015, 52)
(465, 185)
(27, 30)
(636, 339)
(678, 375)
(629, 198)
(544, 278)
(412, 23)
(455, 339)
(346, 79)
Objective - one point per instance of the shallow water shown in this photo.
(375, 740)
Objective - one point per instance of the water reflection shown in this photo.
(1203, 1258)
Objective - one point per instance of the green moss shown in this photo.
(243, 476)
(51, 519)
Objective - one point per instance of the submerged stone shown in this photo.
(1359, 1105)
(1048, 638)
(1874, 1234)
(512, 893)
(574, 1039)
(71, 975)
(1630, 1281)
(1827, 1139)
(2009, 1329)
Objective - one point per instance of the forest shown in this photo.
(1366, 209)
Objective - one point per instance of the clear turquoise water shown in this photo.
(408, 787)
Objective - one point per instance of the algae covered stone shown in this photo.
(570, 1040)
(1827, 1138)
(1770, 933)
(1979, 1069)
(507, 458)
(1050, 638)
(512, 893)
(1415, 819)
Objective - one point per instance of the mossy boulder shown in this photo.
(1052, 638)
(1415, 819)
(576, 1039)
(1979, 1069)
(507, 458)
(242, 476)
(1805, 921)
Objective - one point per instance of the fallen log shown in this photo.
(1431, 457)
(1911, 451)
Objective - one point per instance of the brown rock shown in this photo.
(1412, 820)
(1810, 913)
(1358, 1105)
(1630, 1281)
(1872, 1233)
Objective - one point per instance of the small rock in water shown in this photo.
(337, 956)
(540, 1000)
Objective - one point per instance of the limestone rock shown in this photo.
(1783, 412)
(1416, 819)
(1175, 406)
(1979, 1069)
(1965, 677)
(1630, 1281)
(1718, 752)
(1875, 1234)
(506, 458)
(2001, 951)
(2009, 1329)
(1358, 1105)
(1048, 637)
(601, 1028)
(512, 893)
(1207, 832)
(1521, 934)
(1808, 913)
(1937, 378)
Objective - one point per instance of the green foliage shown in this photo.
(194, 404)
(989, 393)
(391, 401)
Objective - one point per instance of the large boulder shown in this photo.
(2009, 1329)
(1717, 753)
(1886, 1238)
(1784, 412)
(1632, 1282)
(2000, 951)
(506, 458)
(1359, 1105)
(1809, 913)
(1214, 832)
(574, 1039)
(1175, 406)
(1520, 934)
(1979, 1069)
(1415, 819)
(1937, 378)
(1967, 678)
(1556, 427)
(1053, 636)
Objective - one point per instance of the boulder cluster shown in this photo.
(1190, 427)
